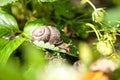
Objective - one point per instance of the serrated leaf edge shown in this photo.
(47, 45)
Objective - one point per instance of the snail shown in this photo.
(49, 34)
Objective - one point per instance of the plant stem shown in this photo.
(91, 4)
(96, 32)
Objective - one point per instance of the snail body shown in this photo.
(47, 34)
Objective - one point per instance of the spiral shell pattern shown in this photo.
(47, 34)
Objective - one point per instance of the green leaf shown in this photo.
(8, 46)
(8, 24)
(46, 0)
(7, 19)
(31, 25)
(3, 42)
(5, 31)
(41, 44)
(112, 18)
(49, 46)
(5, 2)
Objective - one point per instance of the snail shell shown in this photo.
(47, 34)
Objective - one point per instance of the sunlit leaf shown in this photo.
(11, 72)
(5, 2)
(41, 44)
(32, 55)
(34, 59)
(7, 48)
(49, 46)
(112, 17)
(5, 31)
(8, 24)
(3, 42)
